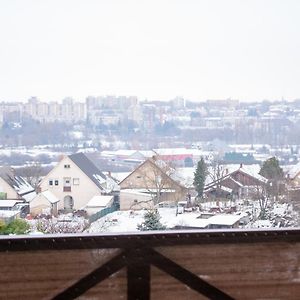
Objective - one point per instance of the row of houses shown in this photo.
(75, 184)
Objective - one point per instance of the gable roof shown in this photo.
(242, 170)
(159, 165)
(18, 183)
(254, 175)
(50, 197)
(294, 170)
(89, 169)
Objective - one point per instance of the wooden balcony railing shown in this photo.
(232, 264)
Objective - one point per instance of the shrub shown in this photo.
(17, 226)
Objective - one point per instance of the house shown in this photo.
(14, 187)
(156, 178)
(15, 194)
(44, 202)
(75, 180)
(241, 182)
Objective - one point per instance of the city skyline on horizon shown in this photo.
(154, 50)
(83, 100)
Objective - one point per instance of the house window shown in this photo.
(50, 182)
(55, 182)
(67, 166)
(67, 181)
(75, 181)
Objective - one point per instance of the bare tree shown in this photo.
(217, 171)
(263, 198)
(32, 173)
(157, 177)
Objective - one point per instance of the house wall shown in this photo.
(148, 176)
(6, 188)
(38, 205)
(230, 184)
(135, 201)
(245, 179)
(80, 193)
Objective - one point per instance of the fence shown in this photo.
(102, 213)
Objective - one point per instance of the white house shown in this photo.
(75, 180)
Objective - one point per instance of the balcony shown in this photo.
(231, 264)
(67, 189)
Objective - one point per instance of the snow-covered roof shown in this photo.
(224, 219)
(153, 191)
(247, 170)
(140, 192)
(171, 151)
(8, 213)
(22, 186)
(29, 196)
(18, 183)
(223, 188)
(88, 168)
(8, 203)
(147, 153)
(120, 176)
(99, 201)
(50, 197)
(124, 152)
(294, 170)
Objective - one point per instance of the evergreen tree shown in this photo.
(271, 169)
(200, 176)
(151, 221)
(274, 173)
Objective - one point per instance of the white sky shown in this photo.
(214, 49)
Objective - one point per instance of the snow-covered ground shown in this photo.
(126, 221)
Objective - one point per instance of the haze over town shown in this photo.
(112, 87)
(155, 50)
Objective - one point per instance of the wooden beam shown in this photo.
(186, 277)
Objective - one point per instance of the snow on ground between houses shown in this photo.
(127, 221)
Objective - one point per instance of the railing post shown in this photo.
(138, 276)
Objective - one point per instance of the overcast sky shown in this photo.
(214, 49)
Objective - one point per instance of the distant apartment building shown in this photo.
(68, 111)
(225, 103)
(110, 102)
(10, 112)
(135, 113)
